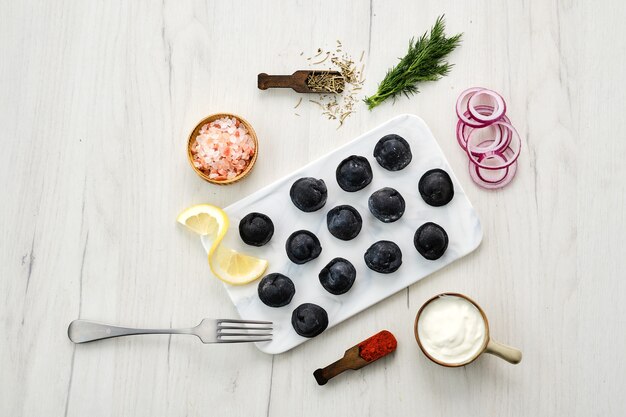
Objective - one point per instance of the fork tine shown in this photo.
(252, 333)
(221, 335)
(242, 328)
(242, 340)
(219, 321)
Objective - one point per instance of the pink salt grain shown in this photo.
(223, 149)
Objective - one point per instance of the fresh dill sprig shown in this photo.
(423, 62)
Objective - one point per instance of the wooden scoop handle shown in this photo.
(350, 360)
(266, 81)
(324, 374)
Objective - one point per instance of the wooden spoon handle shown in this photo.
(324, 374)
(266, 81)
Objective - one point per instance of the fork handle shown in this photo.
(83, 331)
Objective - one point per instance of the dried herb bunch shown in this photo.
(424, 61)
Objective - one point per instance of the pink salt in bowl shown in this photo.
(230, 171)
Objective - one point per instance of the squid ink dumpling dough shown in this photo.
(276, 290)
(354, 173)
(436, 187)
(431, 241)
(384, 257)
(256, 229)
(387, 205)
(344, 222)
(309, 320)
(393, 152)
(338, 276)
(308, 194)
(303, 246)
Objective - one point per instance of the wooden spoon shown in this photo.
(375, 347)
(296, 81)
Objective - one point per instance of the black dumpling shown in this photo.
(309, 320)
(436, 187)
(303, 246)
(308, 194)
(256, 229)
(386, 204)
(383, 256)
(338, 276)
(431, 241)
(354, 173)
(276, 290)
(344, 222)
(393, 152)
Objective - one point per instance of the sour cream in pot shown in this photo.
(451, 329)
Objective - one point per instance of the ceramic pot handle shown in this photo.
(505, 352)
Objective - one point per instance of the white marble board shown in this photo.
(458, 218)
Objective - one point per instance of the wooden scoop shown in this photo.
(297, 81)
(352, 359)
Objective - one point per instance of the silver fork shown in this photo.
(209, 331)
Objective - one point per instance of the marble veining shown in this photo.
(458, 218)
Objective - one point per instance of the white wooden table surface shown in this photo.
(96, 101)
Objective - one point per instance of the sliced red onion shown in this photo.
(460, 134)
(492, 152)
(492, 176)
(463, 130)
(509, 173)
(461, 107)
(500, 140)
(481, 115)
(514, 145)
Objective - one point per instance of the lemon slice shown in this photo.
(236, 268)
(227, 264)
(206, 220)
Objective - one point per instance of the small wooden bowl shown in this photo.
(194, 134)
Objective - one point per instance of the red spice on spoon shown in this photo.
(377, 346)
(366, 352)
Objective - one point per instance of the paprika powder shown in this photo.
(377, 346)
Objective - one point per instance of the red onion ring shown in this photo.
(497, 140)
(501, 157)
(461, 107)
(486, 176)
(463, 130)
(515, 145)
(502, 139)
(498, 108)
(489, 185)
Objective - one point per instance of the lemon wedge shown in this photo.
(236, 268)
(206, 220)
(227, 264)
